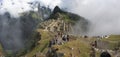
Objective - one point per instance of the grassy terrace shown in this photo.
(81, 46)
(43, 43)
(113, 38)
(114, 41)
(79, 49)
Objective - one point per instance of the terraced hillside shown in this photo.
(77, 46)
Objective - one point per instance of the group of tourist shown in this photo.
(59, 39)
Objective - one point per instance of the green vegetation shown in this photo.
(43, 43)
(1, 50)
(1, 47)
(79, 46)
(35, 16)
(113, 38)
(67, 19)
(114, 41)
(37, 41)
(66, 16)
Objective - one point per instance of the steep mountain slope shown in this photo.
(76, 22)
(60, 21)
(73, 17)
(18, 36)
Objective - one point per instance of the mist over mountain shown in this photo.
(19, 20)
(103, 14)
(81, 24)
(100, 17)
(19, 33)
(17, 30)
(10, 32)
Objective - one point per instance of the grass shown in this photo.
(113, 38)
(1, 47)
(43, 43)
(67, 19)
(1, 50)
(114, 41)
(80, 48)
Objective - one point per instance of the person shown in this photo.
(38, 35)
(63, 38)
(92, 52)
(55, 39)
(68, 37)
(92, 44)
(50, 43)
(85, 36)
(49, 53)
(116, 50)
(105, 54)
(95, 43)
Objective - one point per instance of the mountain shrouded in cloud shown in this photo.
(19, 20)
(103, 14)
(17, 6)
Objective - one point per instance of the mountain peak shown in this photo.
(56, 9)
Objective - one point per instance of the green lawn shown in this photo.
(114, 41)
(43, 44)
(1, 50)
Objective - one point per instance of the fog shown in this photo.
(14, 6)
(103, 14)
(10, 33)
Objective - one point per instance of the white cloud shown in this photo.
(18, 6)
(51, 3)
(103, 14)
(15, 6)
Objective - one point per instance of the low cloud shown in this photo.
(103, 14)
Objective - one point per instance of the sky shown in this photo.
(14, 6)
(17, 6)
(0, 0)
(103, 14)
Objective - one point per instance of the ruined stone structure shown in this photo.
(56, 25)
